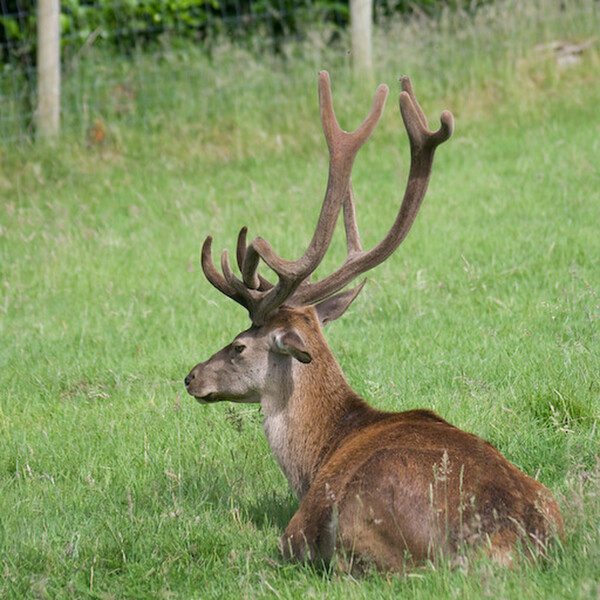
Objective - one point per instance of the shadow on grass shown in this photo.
(272, 510)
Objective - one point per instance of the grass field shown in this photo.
(115, 484)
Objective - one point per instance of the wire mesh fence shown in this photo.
(113, 53)
(136, 61)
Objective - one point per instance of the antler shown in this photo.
(261, 297)
(255, 293)
(423, 144)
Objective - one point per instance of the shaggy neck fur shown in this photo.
(308, 408)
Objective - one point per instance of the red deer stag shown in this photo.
(383, 488)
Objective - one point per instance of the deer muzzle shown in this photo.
(195, 385)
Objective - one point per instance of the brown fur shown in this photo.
(383, 488)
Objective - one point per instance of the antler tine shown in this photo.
(416, 123)
(256, 281)
(251, 299)
(343, 147)
(418, 113)
(353, 244)
(423, 144)
(240, 251)
(217, 279)
(234, 283)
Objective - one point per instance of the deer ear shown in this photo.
(291, 344)
(335, 306)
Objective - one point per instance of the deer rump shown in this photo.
(375, 487)
(410, 487)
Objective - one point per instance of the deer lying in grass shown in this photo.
(382, 488)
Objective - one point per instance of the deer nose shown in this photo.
(189, 378)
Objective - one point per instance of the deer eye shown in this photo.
(238, 348)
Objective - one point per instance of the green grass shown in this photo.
(115, 484)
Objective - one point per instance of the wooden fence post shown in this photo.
(361, 32)
(48, 68)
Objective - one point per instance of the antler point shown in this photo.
(405, 83)
(324, 79)
(207, 246)
(447, 123)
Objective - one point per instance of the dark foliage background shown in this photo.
(129, 24)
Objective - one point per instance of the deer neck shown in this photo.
(302, 413)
